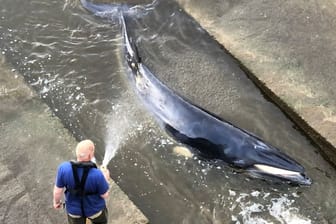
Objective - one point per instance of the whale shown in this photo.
(209, 136)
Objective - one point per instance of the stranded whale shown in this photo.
(210, 137)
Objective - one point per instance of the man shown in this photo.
(86, 187)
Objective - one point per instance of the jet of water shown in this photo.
(112, 145)
(119, 126)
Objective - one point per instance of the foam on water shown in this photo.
(279, 209)
(284, 212)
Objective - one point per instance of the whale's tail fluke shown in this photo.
(111, 10)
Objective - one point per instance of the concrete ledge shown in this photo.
(34, 143)
(122, 210)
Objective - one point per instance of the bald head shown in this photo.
(85, 150)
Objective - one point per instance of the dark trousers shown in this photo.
(102, 219)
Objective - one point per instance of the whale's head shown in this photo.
(268, 162)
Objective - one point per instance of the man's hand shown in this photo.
(57, 197)
(57, 205)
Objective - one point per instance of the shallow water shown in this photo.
(73, 60)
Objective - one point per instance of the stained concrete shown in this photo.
(33, 144)
(288, 49)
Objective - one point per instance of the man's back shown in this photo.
(95, 186)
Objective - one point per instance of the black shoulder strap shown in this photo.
(79, 189)
(75, 175)
(80, 184)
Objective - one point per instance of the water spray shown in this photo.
(110, 150)
(118, 127)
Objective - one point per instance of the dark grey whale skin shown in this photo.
(210, 137)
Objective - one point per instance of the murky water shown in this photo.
(72, 59)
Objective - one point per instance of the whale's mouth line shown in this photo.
(275, 170)
(295, 177)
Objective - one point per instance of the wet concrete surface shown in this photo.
(289, 49)
(33, 144)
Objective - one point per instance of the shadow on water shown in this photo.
(72, 60)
